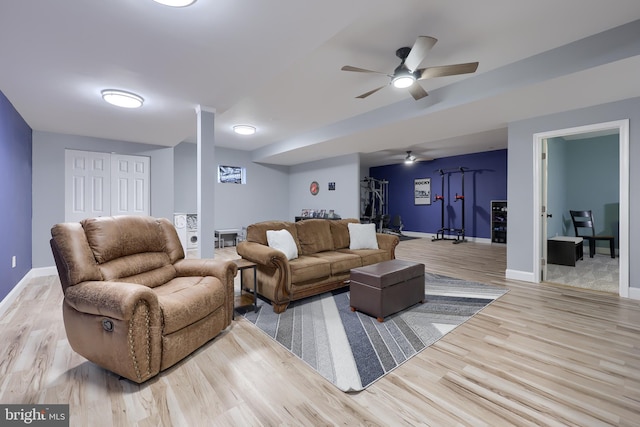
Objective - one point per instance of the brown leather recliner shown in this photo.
(132, 303)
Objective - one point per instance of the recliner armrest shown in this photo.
(111, 299)
(223, 270)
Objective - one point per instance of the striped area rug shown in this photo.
(353, 350)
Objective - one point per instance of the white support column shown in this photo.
(206, 179)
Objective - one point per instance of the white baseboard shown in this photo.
(43, 271)
(34, 272)
(525, 276)
(634, 293)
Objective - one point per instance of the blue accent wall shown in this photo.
(15, 196)
(485, 179)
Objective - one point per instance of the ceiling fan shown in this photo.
(406, 156)
(407, 73)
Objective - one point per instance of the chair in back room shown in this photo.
(583, 226)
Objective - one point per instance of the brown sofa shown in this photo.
(132, 303)
(323, 264)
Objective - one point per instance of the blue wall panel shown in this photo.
(15, 196)
(485, 179)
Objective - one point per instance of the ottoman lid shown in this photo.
(387, 273)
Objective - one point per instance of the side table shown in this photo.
(244, 264)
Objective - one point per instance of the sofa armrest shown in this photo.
(388, 242)
(274, 280)
(223, 270)
(117, 300)
(261, 254)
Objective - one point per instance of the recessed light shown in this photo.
(176, 3)
(244, 129)
(121, 98)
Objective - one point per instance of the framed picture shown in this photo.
(232, 174)
(422, 191)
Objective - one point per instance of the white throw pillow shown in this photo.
(283, 241)
(362, 236)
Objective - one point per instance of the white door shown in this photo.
(544, 214)
(87, 185)
(101, 184)
(130, 185)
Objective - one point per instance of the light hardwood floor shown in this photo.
(540, 355)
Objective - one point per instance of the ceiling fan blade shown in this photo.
(359, 70)
(417, 91)
(448, 70)
(419, 51)
(371, 92)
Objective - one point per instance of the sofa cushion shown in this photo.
(283, 241)
(362, 236)
(340, 262)
(314, 236)
(257, 232)
(369, 256)
(307, 268)
(186, 300)
(340, 232)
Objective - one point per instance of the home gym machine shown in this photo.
(457, 232)
(373, 202)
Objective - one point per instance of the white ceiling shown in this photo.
(276, 64)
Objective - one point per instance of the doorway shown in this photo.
(540, 189)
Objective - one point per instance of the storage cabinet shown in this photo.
(499, 221)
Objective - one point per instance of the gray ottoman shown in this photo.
(386, 288)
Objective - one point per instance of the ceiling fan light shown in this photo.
(121, 98)
(176, 3)
(404, 81)
(410, 158)
(244, 129)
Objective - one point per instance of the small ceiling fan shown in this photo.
(407, 156)
(407, 73)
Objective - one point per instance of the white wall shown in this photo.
(271, 192)
(344, 200)
(263, 197)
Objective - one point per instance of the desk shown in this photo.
(226, 232)
(244, 264)
(564, 250)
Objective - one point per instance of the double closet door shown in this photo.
(105, 184)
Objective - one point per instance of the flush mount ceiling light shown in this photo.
(244, 129)
(410, 158)
(176, 3)
(122, 99)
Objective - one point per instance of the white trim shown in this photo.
(13, 294)
(623, 131)
(204, 108)
(525, 276)
(634, 293)
(44, 271)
